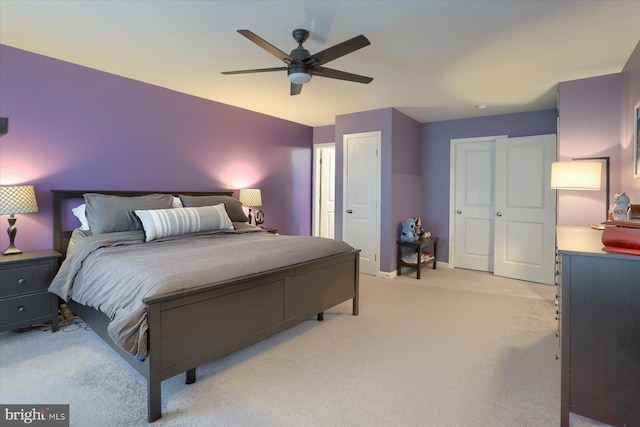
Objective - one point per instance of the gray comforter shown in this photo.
(113, 272)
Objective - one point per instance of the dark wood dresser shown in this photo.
(24, 298)
(598, 311)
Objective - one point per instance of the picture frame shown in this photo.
(636, 141)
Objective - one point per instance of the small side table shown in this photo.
(24, 296)
(417, 249)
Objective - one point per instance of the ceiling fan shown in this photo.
(301, 65)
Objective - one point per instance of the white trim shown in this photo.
(453, 144)
(387, 275)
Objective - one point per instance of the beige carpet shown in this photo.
(456, 348)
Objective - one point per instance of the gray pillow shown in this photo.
(108, 214)
(231, 205)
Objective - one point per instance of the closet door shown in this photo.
(525, 209)
(503, 211)
(474, 204)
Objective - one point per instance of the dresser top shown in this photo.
(584, 241)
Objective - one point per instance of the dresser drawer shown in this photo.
(22, 280)
(25, 309)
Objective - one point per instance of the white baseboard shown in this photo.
(393, 274)
(387, 275)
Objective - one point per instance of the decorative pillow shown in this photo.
(107, 214)
(231, 204)
(80, 213)
(172, 222)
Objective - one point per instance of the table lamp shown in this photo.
(16, 199)
(581, 173)
(250, 197)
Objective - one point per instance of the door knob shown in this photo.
(498, 213)
(349, 211)
(458, 211)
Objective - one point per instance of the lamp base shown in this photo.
(12, 250)
(11, 231)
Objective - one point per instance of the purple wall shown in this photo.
(324, 134)
(366, 121)
(436, 159)
(630, 97)
(589, 126)
(400, 189)
(72, 127)
(406, 192)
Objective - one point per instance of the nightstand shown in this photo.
(24, 298)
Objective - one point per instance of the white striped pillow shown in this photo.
(159, 223)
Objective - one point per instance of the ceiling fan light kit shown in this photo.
(301, 65)
(299, 78)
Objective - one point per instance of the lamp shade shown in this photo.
(17, 199)
(250, 197)
(575, 175)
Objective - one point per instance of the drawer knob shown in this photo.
(21, 281)
(21, 308)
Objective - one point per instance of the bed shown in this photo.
(189, 326)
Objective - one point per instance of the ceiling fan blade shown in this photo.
(295, 89)
(257, 70)
(342, 75)
(338, 50)
(282, 56)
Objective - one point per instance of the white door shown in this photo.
(503, 210)
(361, 197)
(525, 209)
(325, 186)
(474, 203)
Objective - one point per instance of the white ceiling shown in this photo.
(432, 60)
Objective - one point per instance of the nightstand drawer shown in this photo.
(25, 309)
(21, 280)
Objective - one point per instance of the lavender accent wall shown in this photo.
(589, 126)
(436, 159)
(73, 127)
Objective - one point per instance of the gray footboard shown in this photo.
(189, 328)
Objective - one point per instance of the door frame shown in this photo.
(317, 177)
(345, 163)
(452, 186)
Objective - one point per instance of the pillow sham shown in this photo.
(107, 214)
(80, 213)
(175, 221)
(231, 204)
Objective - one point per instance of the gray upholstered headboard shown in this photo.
(61, 237)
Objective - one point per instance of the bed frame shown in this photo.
(192, 327)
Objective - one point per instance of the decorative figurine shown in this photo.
(621, 206)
